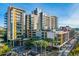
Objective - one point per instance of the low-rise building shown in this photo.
(2, 32)
(58, 37)
(61, 37)
(45, 34)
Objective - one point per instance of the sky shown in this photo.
(67, 14)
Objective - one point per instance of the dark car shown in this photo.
(8, 54)
(33, 53)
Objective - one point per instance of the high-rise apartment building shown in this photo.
(37, 11)
(53, 22)
(45, 22)
(28, 25)
(48, 22)
(33, 23)
(39, 21)
(15, 23)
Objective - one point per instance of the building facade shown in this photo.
(61, 37)
(15, 23)
(39, 21)
(45, 34)
(2, 34)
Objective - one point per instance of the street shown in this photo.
(68, 47)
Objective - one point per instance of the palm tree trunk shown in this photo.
(20, 42)
(41, 49)
(36, 47)
(45, 50)
(13, 43)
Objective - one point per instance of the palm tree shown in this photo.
(45, 45)
(35, 43)
(40, 43)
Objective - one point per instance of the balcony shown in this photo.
(18, 32)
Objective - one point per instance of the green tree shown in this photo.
(4, 49)
(35, 43)
(45, 45)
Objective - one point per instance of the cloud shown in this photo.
(73, 19)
